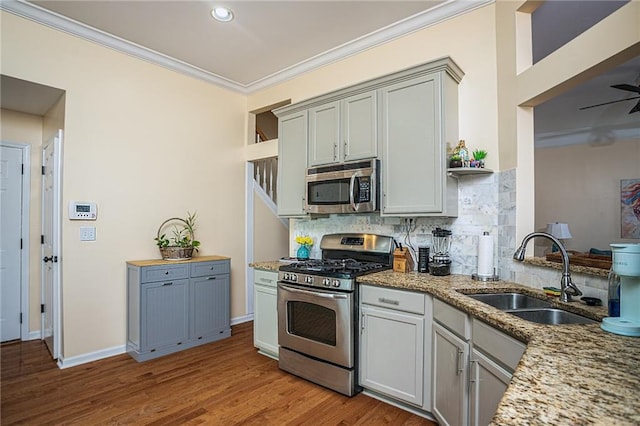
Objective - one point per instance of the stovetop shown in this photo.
(339, 268)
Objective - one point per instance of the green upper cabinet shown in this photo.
(404, 119)
(292, 154)
(419, 116)
(343, 130)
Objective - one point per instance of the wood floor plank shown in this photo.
(221, 383)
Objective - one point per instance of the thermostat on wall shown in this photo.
(80, 210)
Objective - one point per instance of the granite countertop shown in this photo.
(569, 374)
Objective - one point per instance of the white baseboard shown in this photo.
(90, 357)
(34, 335)
(116, 350)
(240, 320)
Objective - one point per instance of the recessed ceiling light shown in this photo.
(222, 14)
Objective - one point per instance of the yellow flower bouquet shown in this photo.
(304, 240)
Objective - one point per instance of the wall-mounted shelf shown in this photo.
(463, 171)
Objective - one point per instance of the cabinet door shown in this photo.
(450, 392)
(488, 383)
(209, 305)
(324, 134)
(359, 127)
(292, 163)
(265, 319)
(391, 354)
(413, 147)
(164, 314)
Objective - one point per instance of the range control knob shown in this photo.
(308, 279)
(294, 277)
(336, 283)
(326, 282)
(285, 276)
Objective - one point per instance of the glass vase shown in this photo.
(303, 253)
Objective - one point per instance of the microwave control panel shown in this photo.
(80, 210)
(364, 193)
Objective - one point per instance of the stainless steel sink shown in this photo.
(510, 301)
(551, 316)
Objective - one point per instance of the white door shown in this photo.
(10, 242)
(51, 243)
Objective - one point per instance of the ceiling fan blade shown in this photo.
(635, 108)
(627, 87)
(607, 103)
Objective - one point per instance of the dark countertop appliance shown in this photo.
(318, 309)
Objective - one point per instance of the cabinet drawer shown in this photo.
(504, 349)
(452, 318)
(202, 269)
(164, 272)
(266, 278)
(393, 299)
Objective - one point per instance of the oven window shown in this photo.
(328, 192)
(312, 322)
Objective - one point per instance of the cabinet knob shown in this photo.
(166, 272)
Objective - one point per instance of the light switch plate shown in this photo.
(87, 233)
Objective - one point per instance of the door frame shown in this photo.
(25, 235)
(57, 139)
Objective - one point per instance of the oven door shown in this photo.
(317, 323)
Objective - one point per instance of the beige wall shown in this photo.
(476, 55)
(580, 185)
(27, 129)
(271, 237)
(146, 144)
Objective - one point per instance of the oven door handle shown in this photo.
(352, 195)
(313, 293)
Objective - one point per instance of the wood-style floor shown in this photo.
(221, 383)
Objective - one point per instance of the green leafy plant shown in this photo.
(455, 157)
(479, 154)
(183, 236)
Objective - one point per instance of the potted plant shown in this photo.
(182, 244)
(479, 155)
(455, 161)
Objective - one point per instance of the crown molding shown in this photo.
(442, 12)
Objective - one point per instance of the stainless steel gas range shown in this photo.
(318, 309)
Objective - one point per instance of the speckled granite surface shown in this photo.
(267, 266)
(569, 374)
(540, 261)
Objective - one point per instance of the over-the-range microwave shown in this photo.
(342, 188)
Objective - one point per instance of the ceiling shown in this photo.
(266, 43)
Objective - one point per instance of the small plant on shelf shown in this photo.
(455, 161)
(478, 156)
(182, 244)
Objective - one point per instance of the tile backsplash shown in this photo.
(486, 203)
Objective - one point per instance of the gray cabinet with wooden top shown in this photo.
(174, 306)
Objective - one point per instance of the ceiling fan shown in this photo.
(626, 87)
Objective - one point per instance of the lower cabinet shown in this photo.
(488, 382)
(450, 359)
(472, 366)
(265, 312)
(395, 343)
(174, 306)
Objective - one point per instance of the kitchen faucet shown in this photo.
(567, 288)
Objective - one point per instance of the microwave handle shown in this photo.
(352, 195)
